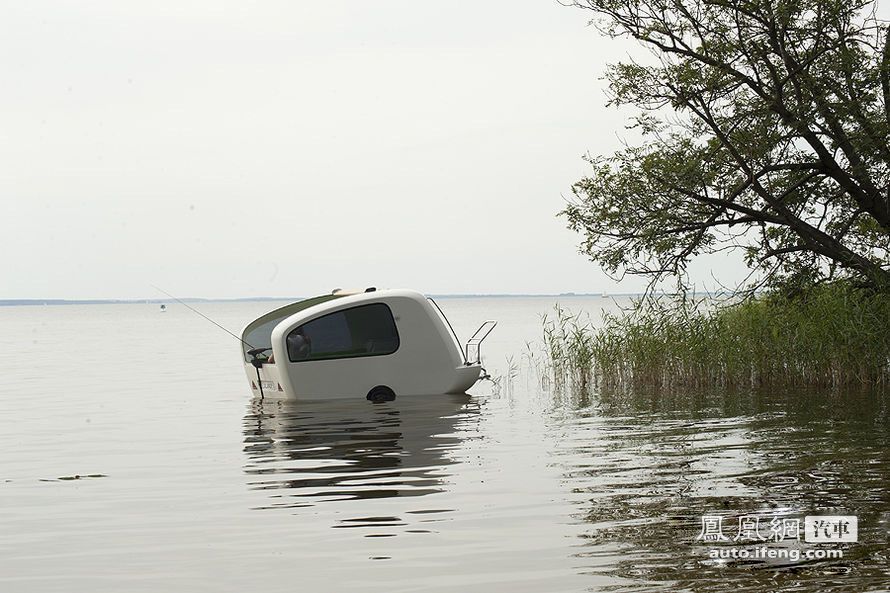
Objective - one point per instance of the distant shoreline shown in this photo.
(155, 301)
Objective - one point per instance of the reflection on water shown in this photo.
(647, 469)
(517, 490)
(304, 454)
(635, 475)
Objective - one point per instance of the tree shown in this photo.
(764, 128)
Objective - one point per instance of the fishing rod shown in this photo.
(253, 352)
(186, 305)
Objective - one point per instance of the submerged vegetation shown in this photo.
(833, 335)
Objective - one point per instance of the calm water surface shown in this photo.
(135, 459)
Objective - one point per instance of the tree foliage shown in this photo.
(764, 128)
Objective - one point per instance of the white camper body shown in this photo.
(374, 344)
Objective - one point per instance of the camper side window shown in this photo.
(366, 330)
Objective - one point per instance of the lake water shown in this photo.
(134, 458)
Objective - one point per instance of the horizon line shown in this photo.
(124, 301)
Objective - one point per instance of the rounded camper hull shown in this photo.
(362, 345)
(463, 378)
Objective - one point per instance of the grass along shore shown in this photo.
(829, 336)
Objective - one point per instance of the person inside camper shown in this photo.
(298, 345)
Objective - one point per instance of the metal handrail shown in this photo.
(475, 341)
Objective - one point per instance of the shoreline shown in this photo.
(157, 301)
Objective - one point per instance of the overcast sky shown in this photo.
(284, 148)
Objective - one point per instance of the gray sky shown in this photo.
(284, 148)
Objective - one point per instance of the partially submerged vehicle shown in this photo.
(373, 343)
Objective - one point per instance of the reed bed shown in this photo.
(830, 336)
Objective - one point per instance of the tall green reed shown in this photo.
(568, 343)
(829, 336)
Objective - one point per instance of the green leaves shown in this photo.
(764, 128)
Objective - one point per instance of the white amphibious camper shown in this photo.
(374, 343)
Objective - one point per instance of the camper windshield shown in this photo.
(259, 333)
(366, 330)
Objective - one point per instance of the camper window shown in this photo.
(366, 330)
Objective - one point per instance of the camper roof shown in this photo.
(258, 332)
